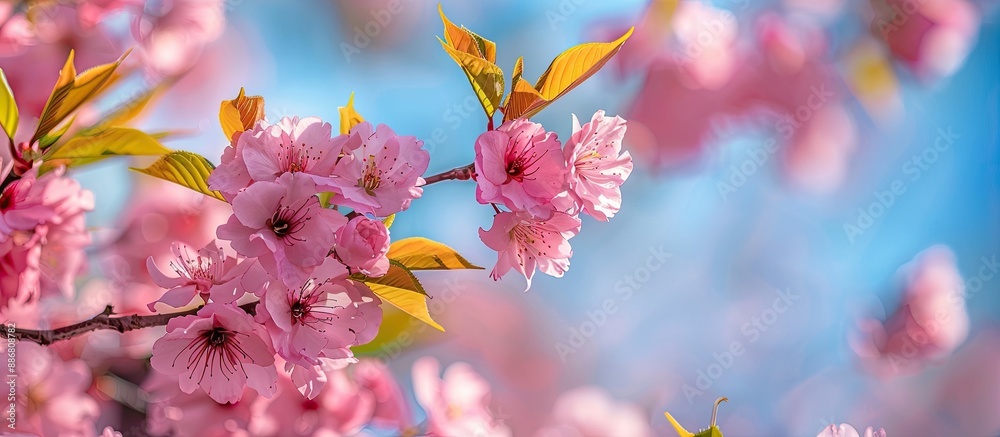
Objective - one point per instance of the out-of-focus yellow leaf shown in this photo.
(395, 333)
(8, 107)
(240, 114)
(566, 71)
(73, 90)
(128, 110)
(349, 117)
(467, 41)
(485, 77)
(114, 141)
(418, 253)
(388, 221)
(186, 169)
(870, 76)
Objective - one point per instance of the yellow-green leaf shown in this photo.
(71, 91)
(485, 77)
(50, 138)
(186, 169)
(566, 71)
(128, 110)
(400, 288)
(522, 95)
(240, 114)
(114, 141)
(398, 276)
(349, 117)
(8, 107)
(388, 221)
(418, 253)
(487, 48)
(467, 41)
(412, 303)
(712, 430)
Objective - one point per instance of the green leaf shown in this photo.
(71, 91)
(484, 76)
(114, 141)
(186, 169)
(418, 253)
(8, 107)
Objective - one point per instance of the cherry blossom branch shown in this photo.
(462, 173)
(104, 320)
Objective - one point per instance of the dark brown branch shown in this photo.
(461, 173)
(104, 320)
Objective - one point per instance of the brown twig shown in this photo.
(462, 173)
(104, 320)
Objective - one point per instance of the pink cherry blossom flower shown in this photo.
(596, 170)
(343, 407)
(588, 411)
(221, 349)
(209, 273)
(458, 403)
(525, 243)
(521, 166)
(846, 430)
(932, 37)
(170, 411)
(391, 409)
(292, 145)
(47, 256)
(380, 172)
(173, 33)
(158, 215)
(232, 175)
(362, 245)
(110, 432)
(283, 224)
(322, 318)
(21, 205)
(51, 396)
(929, 324)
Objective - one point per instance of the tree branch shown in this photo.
(461, 173)
(104, 320)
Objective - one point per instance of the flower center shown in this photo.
(296, 159)
(299, 310)
(216, 337)
(280, 227)
(286, 222)
(370, 177)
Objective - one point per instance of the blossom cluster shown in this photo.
(300, 256)
(545, 187)
(42, 234)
